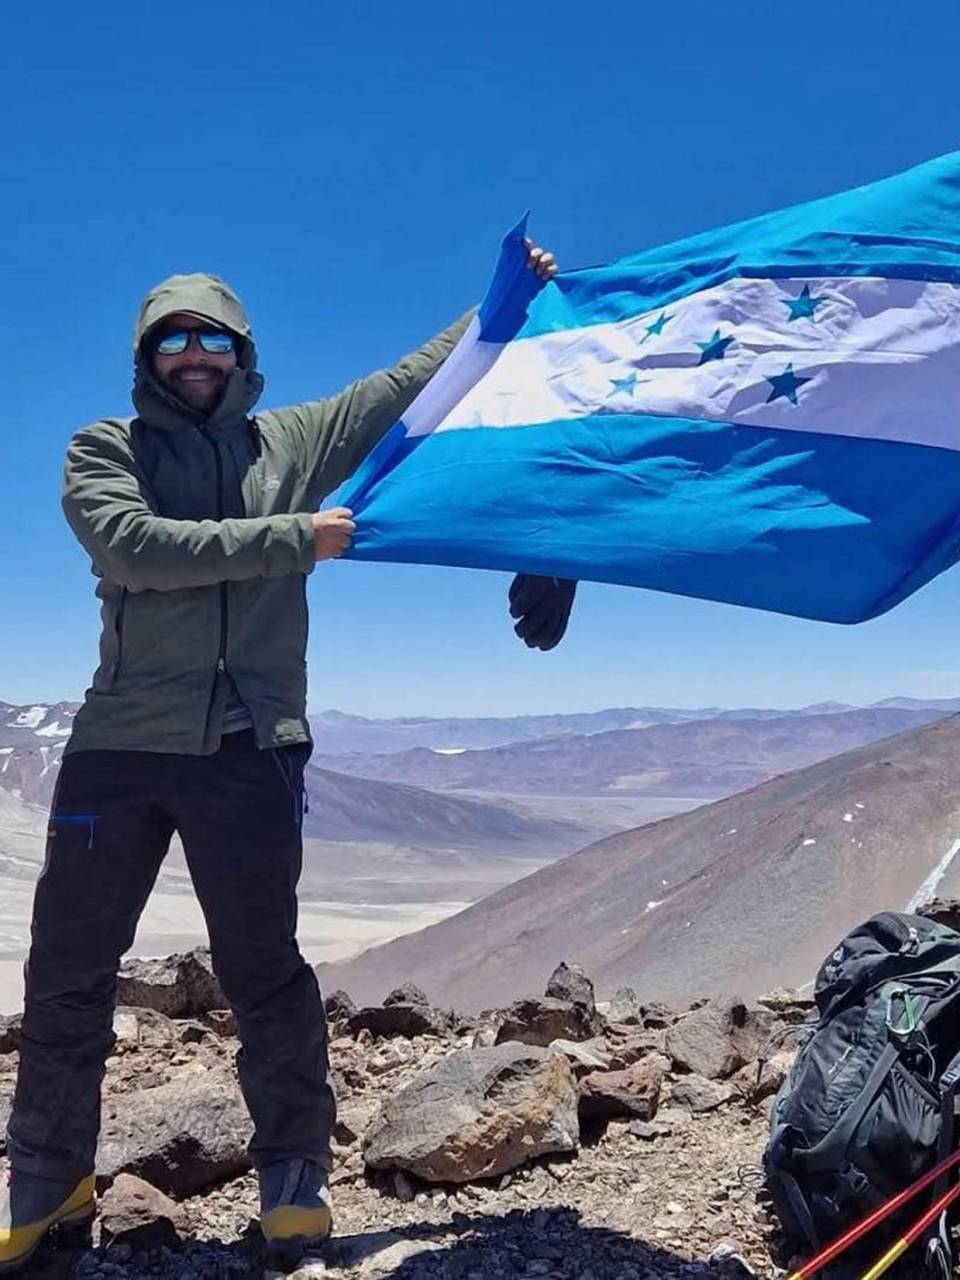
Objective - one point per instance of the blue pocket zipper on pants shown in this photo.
(88, 820)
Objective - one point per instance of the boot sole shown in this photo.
(73, 1230)
(289, 1253)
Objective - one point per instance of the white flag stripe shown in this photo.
(882, 359)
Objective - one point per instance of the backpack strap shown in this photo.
(823, 1156)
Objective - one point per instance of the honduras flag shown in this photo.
(768, 414)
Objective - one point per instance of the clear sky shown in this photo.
(350, 169)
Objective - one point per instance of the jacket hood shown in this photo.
(212, 299)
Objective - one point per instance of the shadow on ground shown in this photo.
(548, 1243)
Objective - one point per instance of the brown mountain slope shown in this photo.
(745, 893)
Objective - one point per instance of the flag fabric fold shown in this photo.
(767, 414)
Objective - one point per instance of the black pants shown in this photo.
(238, 814)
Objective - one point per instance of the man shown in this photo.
(201, 521)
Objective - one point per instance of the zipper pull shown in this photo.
(221, 666)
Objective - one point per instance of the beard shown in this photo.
(198, 395)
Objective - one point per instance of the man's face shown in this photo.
(195, 376)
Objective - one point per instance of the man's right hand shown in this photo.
(333, 531)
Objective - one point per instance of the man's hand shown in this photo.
(538, 260)
(333, 531)
(542, 606)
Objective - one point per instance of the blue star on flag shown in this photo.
(657, 326)
(804, 307)
(627, 384)
(715, 349)
(785, 384)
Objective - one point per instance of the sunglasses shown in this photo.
(216, 342)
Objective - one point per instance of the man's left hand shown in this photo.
(542, 607)
(540, 261)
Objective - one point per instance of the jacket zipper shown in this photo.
(221, 667)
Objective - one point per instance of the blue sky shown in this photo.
(350, 170)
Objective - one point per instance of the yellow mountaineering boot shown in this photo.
(30, 1206)
(295, 1212)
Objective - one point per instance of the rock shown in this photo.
(477, 1114)
(657, 1015)
(640, 1045)
(390, 1261)
(181, 1136)
(632, 1092)
(409, 1020)
(666, 1122)
(942, 911)
(339, 1006)
(625, 1007)
(718, 1038)
(10, 1032)
(729, 1263)
(589, 1055)
(407, 994)
(788, 1003)
(569, 982)
(759, 1080)
(222, 1022)
(181, 986)
(135, 1213)
(144, 1028)
(484, 1037)
(700, 1094)
(353, 1120)
(539, 1022)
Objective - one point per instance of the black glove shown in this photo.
(542, 606)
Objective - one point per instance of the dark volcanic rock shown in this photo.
(10, 1032)
(399, 1020)
(534, 1021)
(181, 1136)
(718, 1038)
(478, 1113)
(409, 993)
(634, 1092)
(942, 911)
(181, 986)
(569, 982)
(339, 1006)
(135, 1213)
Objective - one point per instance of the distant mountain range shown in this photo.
(336, 733)
(699, 758)
(739, 895)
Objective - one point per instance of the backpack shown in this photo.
(868, 1105)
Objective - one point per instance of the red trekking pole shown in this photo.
(880, 1214)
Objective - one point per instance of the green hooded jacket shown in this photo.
(199, 529)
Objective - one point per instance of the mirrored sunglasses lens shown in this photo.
(215, 341)
(171, 344)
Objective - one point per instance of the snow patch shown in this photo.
(53, 731)
(31, 718)
(928, 889)
(653, 904)
(448, 751)
(732, 831)
(809, 840)
(848, 817)
(858, 805)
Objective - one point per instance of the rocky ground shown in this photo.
(552, 1139)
